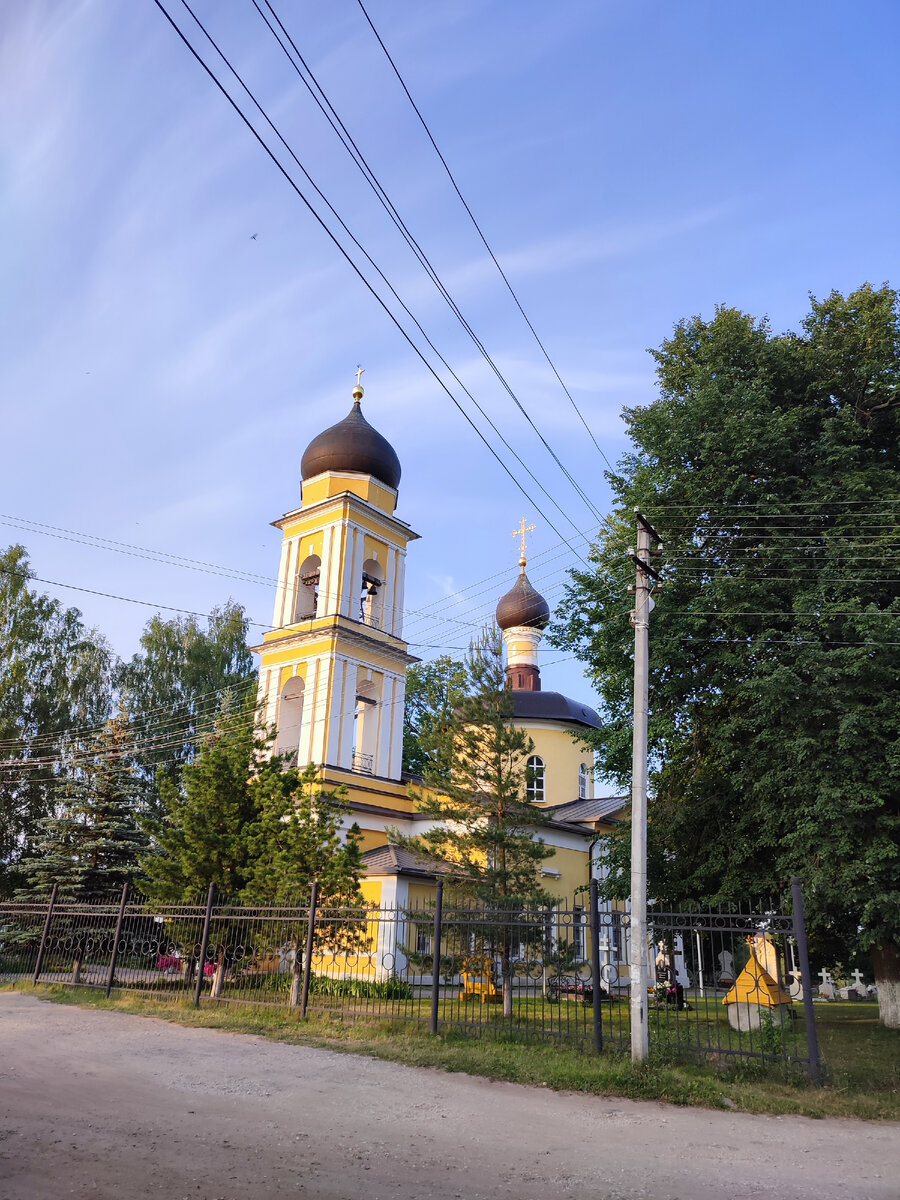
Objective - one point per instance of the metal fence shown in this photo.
(726, 986)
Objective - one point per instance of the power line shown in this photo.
(330, 113)
(480, 232)
(337, 243)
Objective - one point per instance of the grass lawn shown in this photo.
(862, 1059)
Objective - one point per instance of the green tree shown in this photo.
(296, 838)
(771, 463)
(487, 831)
(201, 836)
(92, 845)
(55, 677)
(173, 688)
(433, 691)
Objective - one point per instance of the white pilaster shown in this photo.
(325, 604)
(281, 590)
(332, 749)
(347, 714)
(396, 627)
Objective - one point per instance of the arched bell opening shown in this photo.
(306, 588)
(371, 598)
(365, 727)
(290, 716)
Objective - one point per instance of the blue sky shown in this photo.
(161, 371)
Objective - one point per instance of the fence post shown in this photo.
(115, 946)
(436, 955)
(43, 945)
(596, 981)
(204, 944)
(809, 1012)
(308, 951)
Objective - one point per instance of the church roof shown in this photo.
(352, 445)
(553, 706)
(523, 605)
(395, 860)
(588, 810)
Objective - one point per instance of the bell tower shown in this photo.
(333, 667)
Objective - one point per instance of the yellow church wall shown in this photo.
(333, 483)
(562, 756)
(370, 839)
(573, 870)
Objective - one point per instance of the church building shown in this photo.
(333, 668)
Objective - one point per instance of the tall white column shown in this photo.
(282, 589)
(399, 581)
(395, 765)
(326, 602)
(332, 749)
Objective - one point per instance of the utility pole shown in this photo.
(646, 577)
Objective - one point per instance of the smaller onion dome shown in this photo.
(352, 445)
(522, 605)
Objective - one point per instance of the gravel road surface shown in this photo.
(107, 1106)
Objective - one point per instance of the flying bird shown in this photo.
(253, 237)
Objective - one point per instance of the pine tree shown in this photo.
(297, 838)
(486, 831)
(93, 843)
(92, 846)
(202, 836)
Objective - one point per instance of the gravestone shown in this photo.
(795, 986)
(826, 987)
(726, 969)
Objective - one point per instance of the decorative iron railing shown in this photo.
(557, 971)
(363, 763)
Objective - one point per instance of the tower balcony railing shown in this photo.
(364, 764)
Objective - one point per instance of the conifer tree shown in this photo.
(296, 838)
(487, 832)
(92, 845)
(202, 836)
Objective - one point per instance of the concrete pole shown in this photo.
(640, 619)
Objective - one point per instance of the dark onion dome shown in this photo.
(352, 445)
(553, 706)
(522, 605)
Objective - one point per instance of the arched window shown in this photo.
(582, 782)
(371, 597)
(534, 787)
(306, 588)
(365, 727)
(290, 716)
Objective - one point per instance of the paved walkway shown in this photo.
(107, 1106)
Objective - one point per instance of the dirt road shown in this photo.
(115, 1107)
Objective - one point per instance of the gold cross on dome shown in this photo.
(520, 533)
(360, 371)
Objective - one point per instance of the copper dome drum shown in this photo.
(522, 605)
(352, 445)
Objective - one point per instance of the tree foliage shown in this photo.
(770, 463)
(173, 687)
(201, 836)
(433, 691)
(476, 790)
(296, 837)
(92, 843)
(55, 676)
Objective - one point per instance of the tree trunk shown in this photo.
(219, 978)
(886, 965)
(76, 967)
(296, 979)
